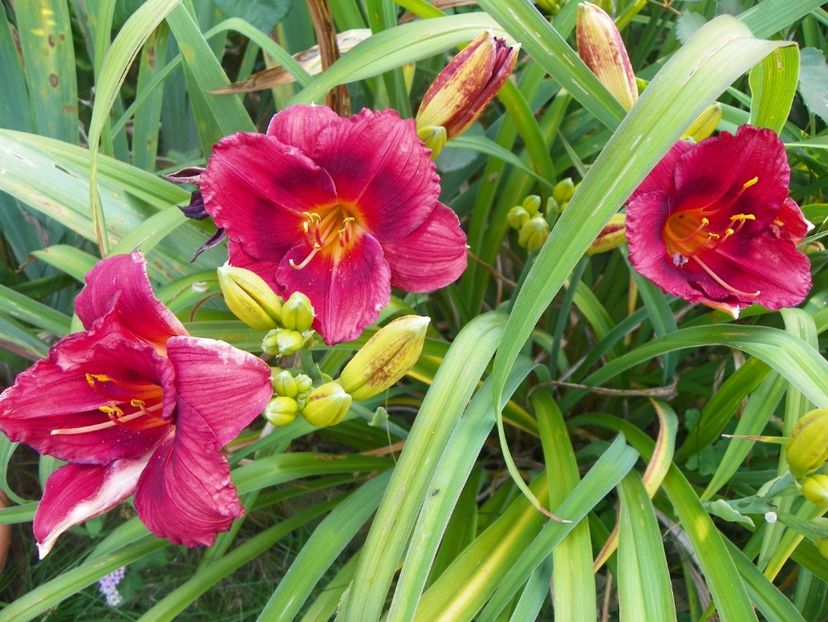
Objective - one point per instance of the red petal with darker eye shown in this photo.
(257, 188)
(790, 223)
(185, 493)
(717, 169)
(55, 394)
(433, 256)
(381, 167)
(300, 126)
(662, 177)
(347, 288)
(75, 493)
(122, 281)
(227, 387)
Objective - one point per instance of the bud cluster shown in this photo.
(381, 362)
(530, 223)
(251, 299)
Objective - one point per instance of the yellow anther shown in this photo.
(713, 236)
(743, 217)
(705, 222)
(93, 378)
(112, 410)
(750, 182)
(729, 231)
(778, 222)
(137, 403)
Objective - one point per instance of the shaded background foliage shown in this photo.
(664, 370)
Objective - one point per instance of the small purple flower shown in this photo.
(108, 586)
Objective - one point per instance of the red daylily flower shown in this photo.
(338, 208)
(135, 405)
(713, 223)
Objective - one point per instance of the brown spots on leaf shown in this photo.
(51, 41)
(53, 79)
(61, 37)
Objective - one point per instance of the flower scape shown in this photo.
(440, 311)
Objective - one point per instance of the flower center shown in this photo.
(136, 412)
(332, 228)
(687, 234)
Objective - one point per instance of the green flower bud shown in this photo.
(434, 137)
(303, 385)
(282, 342)
(705, 124)
(386, 357)
(532, 204)
(517, 217)
(822, 547)
(284, 384)
(326, 405)
(612, 235)
(807, 448)
(281, 410)
(533, 233)
(563, 190)
(297, 312)
(815, 490)
(550, 7)
(249, 298)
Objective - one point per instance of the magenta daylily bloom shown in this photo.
(340, 209)
(135, 405)
(713, 223)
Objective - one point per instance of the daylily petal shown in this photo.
(56, 394)
(226, 386)
(662, 177)
(751, 165)
(185, 493)
(381, 170)
(264, 268)
(431, 257)
(347, 287)
(790, 223)
(771, 266)
(75, 493)
(646, 215)
(122, 281)
(300, 126)
(257, 188)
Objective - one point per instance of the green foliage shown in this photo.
(649, 428)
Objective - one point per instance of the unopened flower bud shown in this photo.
(297, 312)
(303, 385)
(812, 248)
(517, 217)
(807, 448)
(284, 384)
(612, 236)
(705, 124)
(386, 357)
(532, 204)
(533, 233)
(434, 137)
(601, 47)
(282, 342)
(281, 410)
(815, 490)
(462, 90)
(249, 298)
(326, 405)
(822, 547)
(550, 7)
(563, 190)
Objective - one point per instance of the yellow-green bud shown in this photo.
(282, 342)
(303, 385)
(807, 448)
(612, 235)
(386, 357)
(563, 190)
(550, 7)
(815, 490)
(705, 124)
(532, 204)
(326, 405)
(249, 298)
(297, 312)
(434, 137)
(533, 233)
(281, 410)
(517, 217)
(284, 384)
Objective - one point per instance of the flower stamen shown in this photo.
(116, 417)
(724, 283)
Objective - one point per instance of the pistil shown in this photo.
(116, 417)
